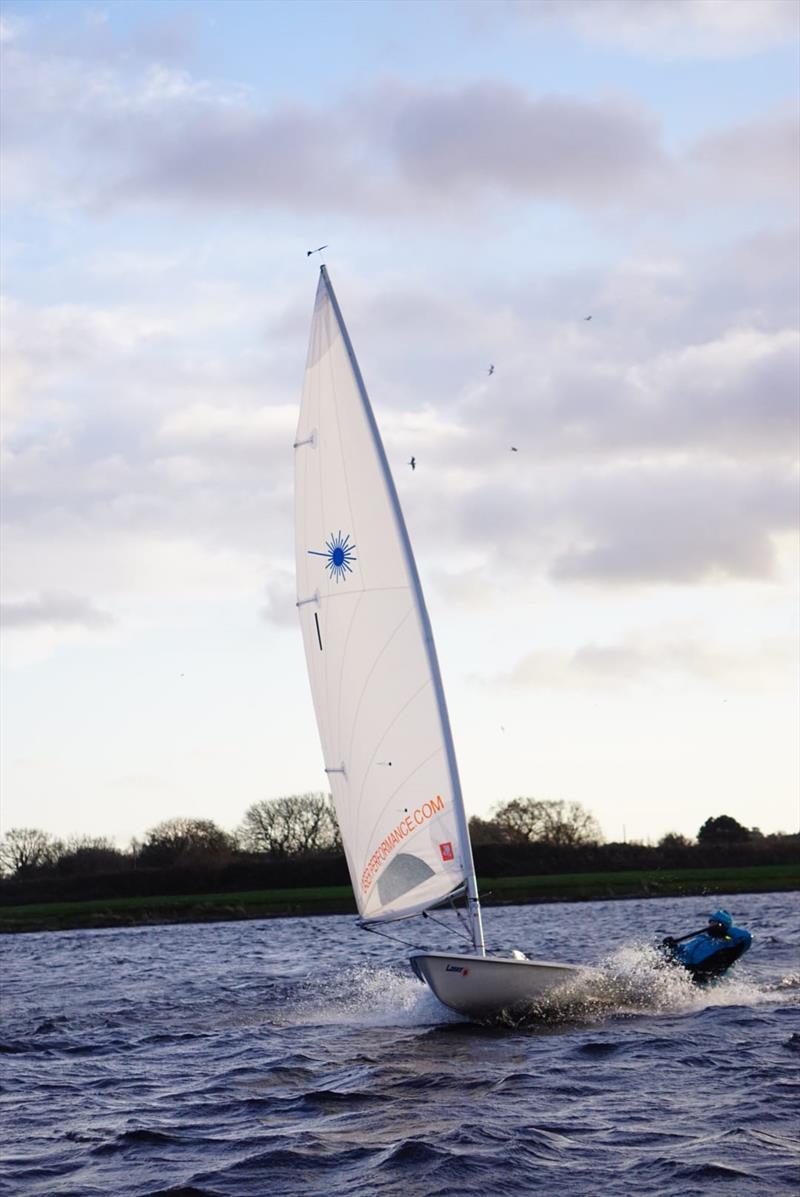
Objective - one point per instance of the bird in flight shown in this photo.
(413, 463)
(514, 449)
(490, 371)
(309, 252)
(587, 317)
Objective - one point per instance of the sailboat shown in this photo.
(377, 689)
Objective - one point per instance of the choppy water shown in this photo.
(300, 1058)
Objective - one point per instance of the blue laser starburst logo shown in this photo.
(338, 553)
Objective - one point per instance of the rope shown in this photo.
(460, 915)
(426, 914)
(386, 935)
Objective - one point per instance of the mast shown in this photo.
(473, 898)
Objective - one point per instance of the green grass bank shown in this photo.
(495, 891)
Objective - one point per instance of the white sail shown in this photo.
(374, 676)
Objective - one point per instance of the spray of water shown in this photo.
(636, 979)
(368, 996)
(633, 980)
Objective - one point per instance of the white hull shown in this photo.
(486, 986)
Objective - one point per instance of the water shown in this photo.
(300, 1058)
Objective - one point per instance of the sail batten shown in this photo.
(372, 663)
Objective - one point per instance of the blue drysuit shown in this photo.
(710, 952)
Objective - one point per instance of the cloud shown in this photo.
(678, 524)
(582, 401)
(103, 133)
(769, 145)
(141, 455)
(9, 29)
(637, 464)
(93, 134)
(653, 441)
(231, 430)
(671, 469)
(487, 137)
(55, 609)
(733, 396)
(660, 660)
(280, 606)
(666, 28)
(655, 524)
(105, 400)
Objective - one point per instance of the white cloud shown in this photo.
(760, 158)
(10, 28)
(667, 28)
(642, 524)
(280, 606)
(677, 524)
(54, 609)
(84, 133)
(101, 134)
(38, 625)
(490, 137)
(206, 428)
(658, 661)
(636, 464)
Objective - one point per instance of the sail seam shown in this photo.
(351, 590)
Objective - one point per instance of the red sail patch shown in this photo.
(446, 851)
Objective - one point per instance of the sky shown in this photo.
(615, 604)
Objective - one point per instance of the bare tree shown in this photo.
(182, 841)
(488, 831)
(521, 819)
(90, 854)
(560, 824)
(24, 849)
(291, 826)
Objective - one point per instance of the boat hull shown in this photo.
(488, 986)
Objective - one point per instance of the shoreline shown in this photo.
(327, 900)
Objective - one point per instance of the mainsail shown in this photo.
(377, 692)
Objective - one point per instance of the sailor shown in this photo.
(719, 924)
(711, 951)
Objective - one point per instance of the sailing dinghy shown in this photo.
(380, 706)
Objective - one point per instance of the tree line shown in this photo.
(295, 826)
(295, 840)
(298, 825)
